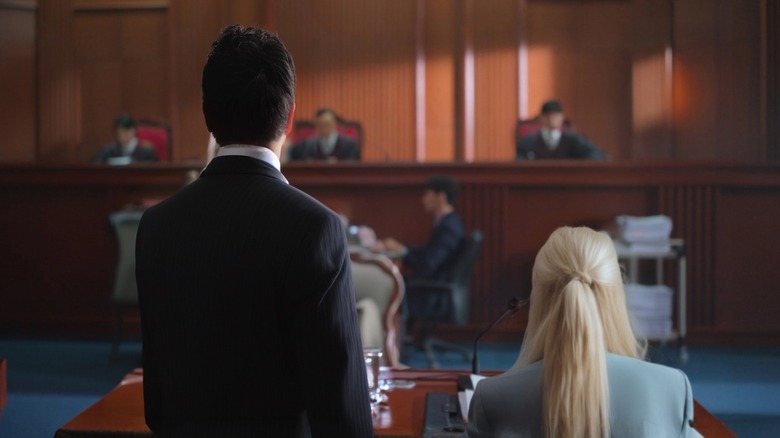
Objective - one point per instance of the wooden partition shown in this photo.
(59, 253)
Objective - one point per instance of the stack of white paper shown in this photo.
(648, 234)
(650, 309)
(464, 397)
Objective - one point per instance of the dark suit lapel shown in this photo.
(233, 164)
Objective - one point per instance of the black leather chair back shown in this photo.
(462, 271)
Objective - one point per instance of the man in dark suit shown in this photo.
(433, 260)
(552, 141)
(126, 148)
(328, 144)
(247, 303)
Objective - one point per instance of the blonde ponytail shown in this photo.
(577, 315)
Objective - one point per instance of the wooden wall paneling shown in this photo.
(122, 56)
(695, 104)
(603, 101)
(580, 54)
(249, 13)
(357, 58)
(59, 84)
(58, 282)
(145, 51)
(440, 34)
(651, 92)
(651, 114)
(194, 25)
(603, 76)
(747, 251)
(481, 209)
(692, 209)
(771, 70)
(17, 90)
(192, 28)
(44, 272)
(495, 77)
(98, 56)
(739, 109)
(717, 80)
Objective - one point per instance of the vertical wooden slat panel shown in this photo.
(59, 96)
(496, 64)
(357, 58)
(772, 98)
(122, 59)
(717, 81)
(692, 209)
(480, 206)
(17, 90)
(580, 53)
(651, 94)
(441, 35)
(194, 26)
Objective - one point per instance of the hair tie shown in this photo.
(582, 278)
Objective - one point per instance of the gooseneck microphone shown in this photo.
(513, 306)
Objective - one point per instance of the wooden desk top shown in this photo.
(121, 412)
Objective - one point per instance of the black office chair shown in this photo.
(453, 299)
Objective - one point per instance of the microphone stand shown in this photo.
(512, 307)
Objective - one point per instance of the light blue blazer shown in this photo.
(645, 400)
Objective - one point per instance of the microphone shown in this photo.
(512, 306)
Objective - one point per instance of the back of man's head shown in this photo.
(443, 183)
(248, 87)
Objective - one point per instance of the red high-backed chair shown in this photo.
(158, 134)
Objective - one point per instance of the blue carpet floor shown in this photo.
(49, 382)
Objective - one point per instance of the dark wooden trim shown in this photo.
(109, 5)
(27, 5)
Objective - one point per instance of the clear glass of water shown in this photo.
(373, 359)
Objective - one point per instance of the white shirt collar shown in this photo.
(551, 137)
(329, 144)
(259, 152)
(128, 149)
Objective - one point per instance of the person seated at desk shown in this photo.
(126, 148)
(431, 261)
(328, 144)
(552, 141)
(580, 372)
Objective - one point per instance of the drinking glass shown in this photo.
(373, 359)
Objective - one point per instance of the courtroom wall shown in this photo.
(431, 80)
(17, 87)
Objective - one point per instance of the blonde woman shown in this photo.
(580, 372)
